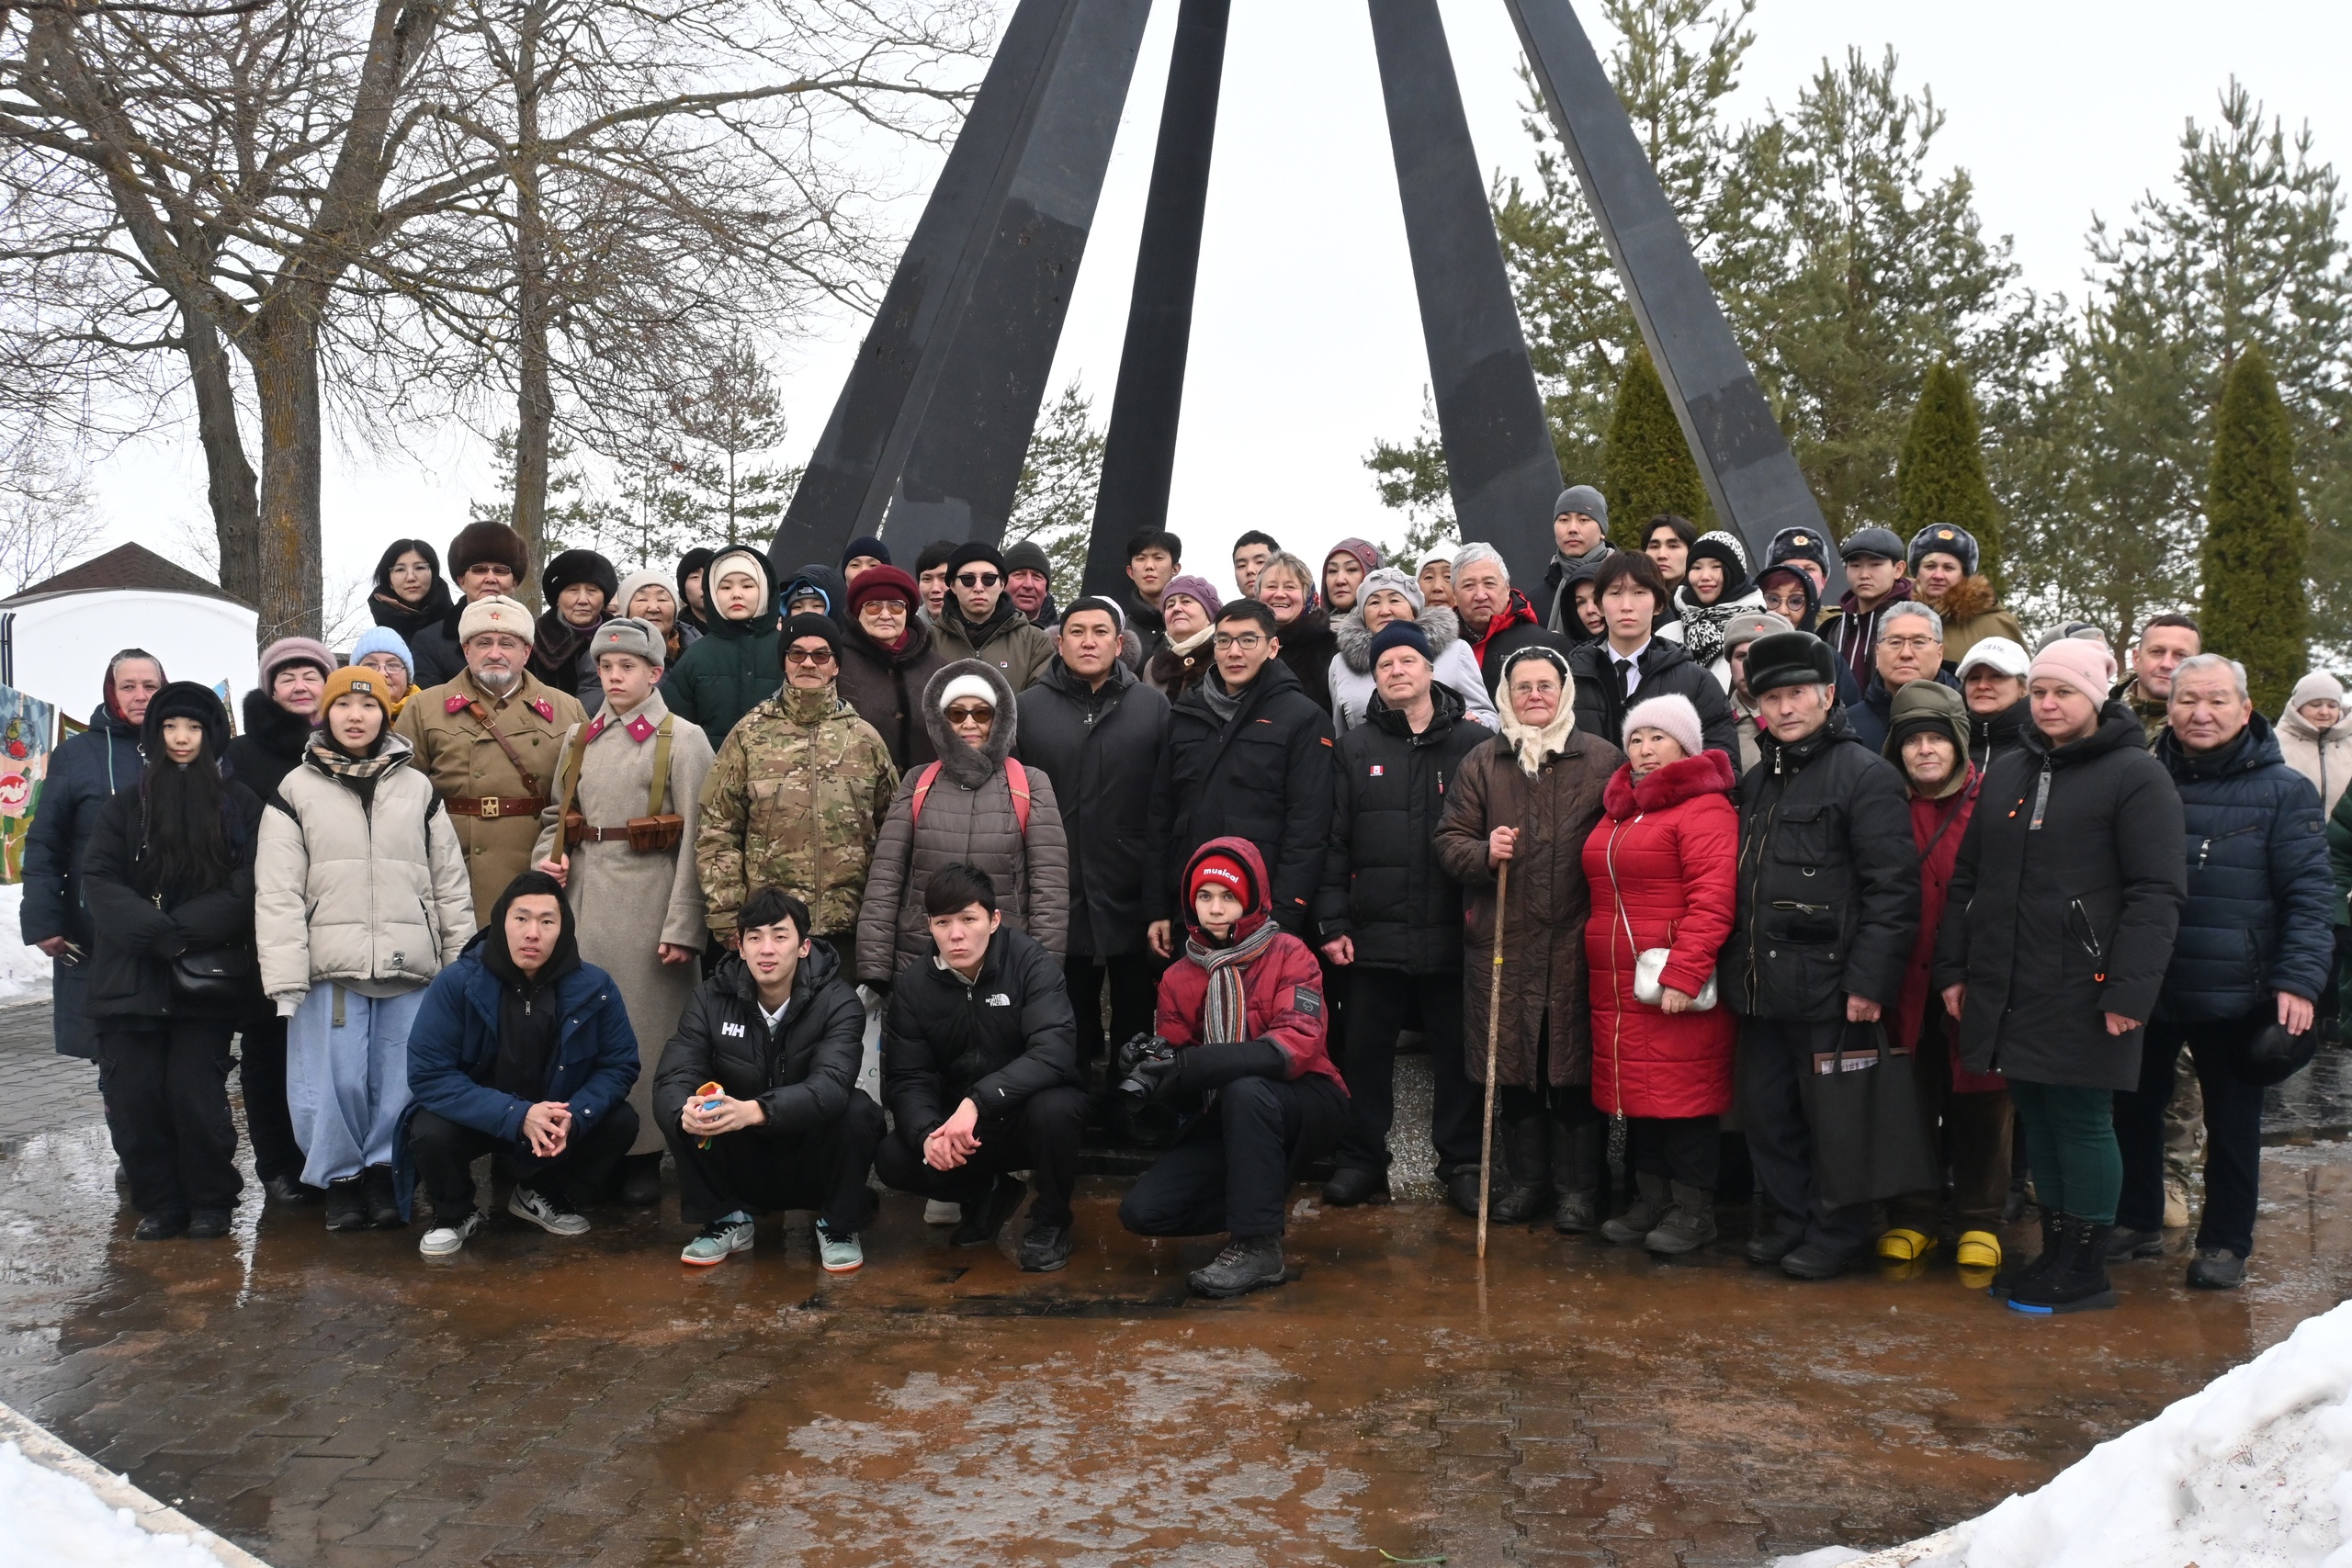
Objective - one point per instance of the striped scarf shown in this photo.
(1227, 1020)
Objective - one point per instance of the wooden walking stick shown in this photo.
(1494, 1026)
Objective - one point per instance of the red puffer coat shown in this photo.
(1663, 861)
(1283, 986)
(1936, 827)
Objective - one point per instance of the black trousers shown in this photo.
(1378, 1002)
(1687, 1149)
(756, 1171)
(2233, 1131)
(166, 1094)
(1233, 1163)
(1773, 1057)
(1134, 982)
(261, 1072)
(1040, 1136)
(444, 1153)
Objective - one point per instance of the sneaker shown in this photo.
(2216, 1268)
(538, 1208)
(346, 1205)
(719, 1240)
(1046, 1249)
(939, 1212)
(984, 1219)
(2123, 1244)
(837, 1254)
(382, 1189)
(207, 1225)
(1244, 1266)
(449, 1236)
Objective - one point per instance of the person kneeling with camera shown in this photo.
(1241, 1025)
(757, 1091)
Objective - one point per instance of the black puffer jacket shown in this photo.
(802, 1074)
(1266, 777)
(1667, 670)
(1006, 1036)
(2260, 914)
(1991, 736)
(1828, 880)
(886, 689)
(1103, 749)
(1383, 885)
(85, 773)
(1875, 712)
(270, 747)
(2050, 928)
(1308, 644)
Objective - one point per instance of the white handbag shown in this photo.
(1649, 962)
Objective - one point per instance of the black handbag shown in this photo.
(214, 977)
(1862, 1107)
(2272, 1055)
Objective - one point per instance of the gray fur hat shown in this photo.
(626, 634)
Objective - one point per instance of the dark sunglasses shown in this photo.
(808, 655)
(980, 579)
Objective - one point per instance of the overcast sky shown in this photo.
(1307, 347)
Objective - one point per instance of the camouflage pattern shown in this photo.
(797, 798)
(464, 763)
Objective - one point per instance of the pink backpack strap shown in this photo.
(923, 781)
(1018, 777)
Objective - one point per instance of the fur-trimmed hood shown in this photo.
(1968, 598)
(1438, 623)
(282, 734)
(961, 762)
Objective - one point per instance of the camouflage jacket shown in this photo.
(795, 797)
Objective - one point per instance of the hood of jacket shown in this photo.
(830, 585)
(2293, 724)
(2256, 747)
(1447, 709)
(105, 721)
(1688, 778)
(1438, 623)
(1261, 901)
(1968, 598)
(2117, 727)
(761, 624)
(271, 728)
(967, 766)
(732, 975)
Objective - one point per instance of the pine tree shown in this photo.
(1940, 475)
(2254, 606)
(1054, 503)
(1645, 465)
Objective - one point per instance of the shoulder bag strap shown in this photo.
(660, 794)
(481, 716)
(567, 770)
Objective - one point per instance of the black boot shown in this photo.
(383, 1197)
(1247, 1264)
(1648, 1211)
(1462, 1189)
(347, 1206)
(1688, 1226)
(1575, 1176)
(1352, 1184)
(642, 1179)
(2077, 1282)
(1526, 1188)
(2016, 1271)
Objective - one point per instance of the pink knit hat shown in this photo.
(2085, 665)
(1674, 713)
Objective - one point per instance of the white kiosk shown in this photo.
(56, 636)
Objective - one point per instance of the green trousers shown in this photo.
(2069, 1135)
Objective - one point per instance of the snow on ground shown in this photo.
(23, 971)
(2253, 1471)
(56, 1521)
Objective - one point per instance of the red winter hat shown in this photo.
(1223, 870)
(883, 582)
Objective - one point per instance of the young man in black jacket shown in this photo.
(779, 1028)
(1248, 757)
(1626, 664)
(1828, 909)
(1390, 918)
(979, 1065)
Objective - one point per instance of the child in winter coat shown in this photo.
(1245, 1011)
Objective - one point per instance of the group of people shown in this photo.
(864, 872)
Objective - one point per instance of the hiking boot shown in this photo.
(1244, 1266)
(1688, 1226)
(1525, 1189)
(2014, 1206)
(2216, 1268)
(984, 1219)
(1769, 1247)
(719, 1241)
(161, 1228)
(449, 1235)
(383, 1197)
(2016, 1271)
(211, 1224)
(837, 1254)
(1046, 1249)
(290, 1190)
(1645, 1215)
(641, 1181)
(1814, 1260)
(2077, 1280)
(1462, 1189)
(347, 1206)
(2123, 1245)
(1351, 1185)
(549, 1215)
(936, 1212)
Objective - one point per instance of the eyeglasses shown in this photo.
(979, 579)
(1248, 642)
(807, 656)
(1907, 643)
(970, 713)
(883, 607)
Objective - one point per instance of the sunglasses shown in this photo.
(980, 579)
(970, 713)
(807, 656)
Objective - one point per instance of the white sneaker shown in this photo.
(538, 1209)
(719, 1240)
(445, 1241)
(839, 1255)
(935, 1212)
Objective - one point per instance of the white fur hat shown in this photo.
(972, 686)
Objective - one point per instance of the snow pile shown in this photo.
(24, 971)
(56, 1521)
(2253, 1471)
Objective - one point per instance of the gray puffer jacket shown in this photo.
(968, 814)
(357, 883)
(1353, 684)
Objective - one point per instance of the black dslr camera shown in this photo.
(1144, 1062)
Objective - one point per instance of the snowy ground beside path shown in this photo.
(56, 1521)
(23, 971)
(2253, 1471)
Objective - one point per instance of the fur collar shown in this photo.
(960, 762)
(1968, 598)
(1531, 745)
(1709, 773)
(1438, 623)
(271, 727)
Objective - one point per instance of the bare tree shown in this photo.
(46, 524)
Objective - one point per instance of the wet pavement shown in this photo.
(334, 1400)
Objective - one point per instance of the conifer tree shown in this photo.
(2255, 598)
(1645, 465)
(1940, 475)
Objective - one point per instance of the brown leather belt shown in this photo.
(600, 835)
(490, 807)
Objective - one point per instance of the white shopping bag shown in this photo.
(869, 1067)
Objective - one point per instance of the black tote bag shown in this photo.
(1861, 1103)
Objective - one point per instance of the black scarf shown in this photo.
(409, 620)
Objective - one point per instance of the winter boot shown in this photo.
(1575, 1176)
(347, 1206)
(1462, 1189)
(2077, 1282)
(1352, 1184)
(1247, 1264)
(382, 1193)
(1688, 1226)
(2015, 1270)
(1525, 1187)
(1648, 1211)
(1774, 1239)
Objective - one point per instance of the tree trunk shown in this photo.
(229, 478)
(283, 349)
(535, 398)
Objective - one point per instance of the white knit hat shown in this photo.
(967, 686)
(1674, 715)
(2317, 686)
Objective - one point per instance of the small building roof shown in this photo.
(125, 567)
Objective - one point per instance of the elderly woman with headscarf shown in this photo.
(1386, 595)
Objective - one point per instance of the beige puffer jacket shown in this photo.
(2323, 756)
(352, 894)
